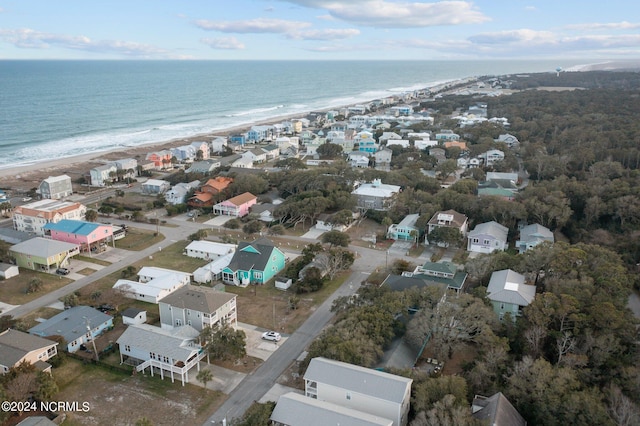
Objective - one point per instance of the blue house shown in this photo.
(239, 139)
(405, 230)
(254, 263)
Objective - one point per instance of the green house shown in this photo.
(254, 263)
(43, 254)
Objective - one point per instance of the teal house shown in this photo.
(254, 263)
(509, 293)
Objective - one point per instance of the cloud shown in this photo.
(624, 25)
(514, 36)
(26, 38)
(329, 34)
(399, 14)
(226, 43)
(259, 25)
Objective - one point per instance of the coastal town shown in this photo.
(418, 259)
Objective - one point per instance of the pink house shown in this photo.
(237, 206)
(89, 236)
(160, 159)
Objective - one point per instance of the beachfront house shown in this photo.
(218, 145)
(238, 206)
(160, 159)
(55, 187)
(77, 325)
(198, 307)
(103, 175)
(17, 347)
(89, 236)
(34, 216)
(184, 153)
(43, 254)
(487, 237)
(256, 262)
(358, 388)
(126, 167)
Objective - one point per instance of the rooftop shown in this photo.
(201, 299)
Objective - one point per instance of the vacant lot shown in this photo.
(116, 398)
(139, 239)
(14, 290)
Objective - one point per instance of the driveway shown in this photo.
(313, 233)
(224, 380)
(256, 346)
(218, 220)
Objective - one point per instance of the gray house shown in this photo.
(532, 235)
(375, 195)
(358, 388)
(487, 237)
(55, 187)
(198, 307)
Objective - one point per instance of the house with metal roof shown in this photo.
(358, 388)
(488, 237)
(375, 195)
(153, 284)
(155, 186)
(90, 236)
(405, 230)
(254, 263)
(172, 352)
(496, 410)
(76, 325)
(442, 272)
(17, 347)
(208, 250)
(532, 235)
(43, 254)
(293, 409)
(508, 292)
(198, 307)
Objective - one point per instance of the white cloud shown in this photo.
(531, 8)
(514, 36)
(399, 14)
(26, 38)
(329, 34)
(624, 25)
(259, 25)
(226, 43)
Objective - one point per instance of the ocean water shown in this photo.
(57, 109)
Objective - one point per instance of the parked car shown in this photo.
(271, 335)
(62, 271)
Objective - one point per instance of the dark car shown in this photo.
(62, 271)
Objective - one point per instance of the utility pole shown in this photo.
(93, 342)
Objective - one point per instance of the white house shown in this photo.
(198, 307)
(404, 143)
(101, 175)
(491, 157)
(208, 250)
(155, 186)
(134, 316)
(212, 270)
(219, 144)
(358, 388)
(153, 284)
(487, 237)
(422, 144)
(55, 187)
(358, 160)
(178, 193)
(34, 216)
(7, 270)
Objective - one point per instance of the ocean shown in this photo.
(57, 109)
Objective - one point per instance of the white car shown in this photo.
(271, 335)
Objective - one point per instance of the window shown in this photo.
(475, 241)
(189, 322)
(502, 306)
(485, 242)
(178, 322)
(349, 396)
(127, 348)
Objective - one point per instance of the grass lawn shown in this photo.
(118, 398)
(29, 320)
(93, 260)
(268, 307)
(86, 271)
(13, 290)
(139, 239)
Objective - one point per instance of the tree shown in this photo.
(35, 285)
(199, 235)
(329, 150)
(204, 376)
(446, 168)
(105, 210)
(257, 414)
(46, 387)
(290, 164)
(446, 412)
(91, 215)
(223, 342)
(6, 322)
(70, 300)
(252, 227)
(446, 236)
(276, 230)
(336, 238)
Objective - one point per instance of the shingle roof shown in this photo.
(42, 247)
(508, 286)
(401, 282)
(239, 200)
(172, 343)
(71, 323)
(15, 345)
(366, 381)
(294, 409)
(132, 312)
(458, 218)
(490, 228)
(497, 410)
(201, 299)
(254, 255)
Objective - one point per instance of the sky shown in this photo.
(320, 29)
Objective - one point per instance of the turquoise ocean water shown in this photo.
(56, 109)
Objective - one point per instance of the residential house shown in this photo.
(446, 273)
(77, 325)
(55, 187)
(508, 292)
(501, 176)
(43, 254)
(34, 216)
(358, 160)
(218, 145)
(8, 270)
(401, 110)
(184, 153)
(126, 167)
(439, 154)
(405, 230)
(491, 157)
(488, 237)
(261, 133)
(272, 152)
(205, 166)
(358, 388)
(264, 211)
(496, 410)
(212, 270)
(496, 190)
(178, 193)
(508, 139)
(198, 307)
(423, 144)
(383, 159)
(257, 156)
(89, 236)
(408, 280)
(160, 159)
(404, 143)
(238, 139)
(387, 136)
(210, 192)
(447, 135)
(375, 195)
(449, 219)
(17, 347)
(456, 144)
(202, 150)
(325, 222)
(532, 235)
(172, 352)
(101, 175)
(145, 166)
(132, 316)
(153, 284)
(293, 409)
(237, 206)
(237, 160)
(155, 186)
(366, 142)
(208, 250)
(255, 262)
